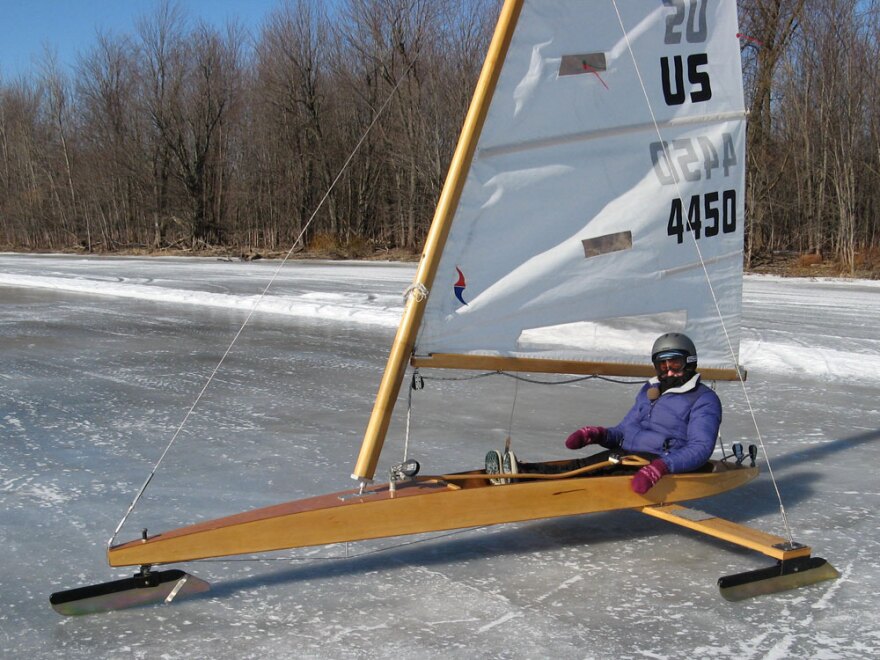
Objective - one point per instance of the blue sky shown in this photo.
(69, 26)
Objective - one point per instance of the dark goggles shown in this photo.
(674, 363)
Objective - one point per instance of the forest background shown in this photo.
(181, 136)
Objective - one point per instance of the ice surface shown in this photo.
(103, 357)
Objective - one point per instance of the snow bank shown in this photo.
(829, 329)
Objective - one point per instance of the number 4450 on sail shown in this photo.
(710, 213)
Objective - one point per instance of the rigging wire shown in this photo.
(417, 383)
(537, 381)
(727, 338)
(512, 410)
(262, 295)
(518, 377)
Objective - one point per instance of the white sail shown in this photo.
(571, 240)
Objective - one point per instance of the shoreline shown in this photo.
(789, 265)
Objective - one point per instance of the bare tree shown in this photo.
(193, 127)
(112, 135)
(25, 202)
(161, 79)
(768, 26)
(295, 108)
(826, 119)
(396, 43)
(62, 114)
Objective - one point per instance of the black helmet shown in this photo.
(672, 344)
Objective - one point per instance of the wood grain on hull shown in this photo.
(424, 505)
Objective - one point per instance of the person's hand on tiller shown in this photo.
(649, 475)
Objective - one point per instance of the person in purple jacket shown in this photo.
(674, 421)
(675, 417)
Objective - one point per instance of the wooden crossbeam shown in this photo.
(541, 365)
(705, 523)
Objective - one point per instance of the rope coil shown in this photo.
(417, 291)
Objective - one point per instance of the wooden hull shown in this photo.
(424, 505)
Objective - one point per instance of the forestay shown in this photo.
(609, 169)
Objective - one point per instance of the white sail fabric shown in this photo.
(571, 237)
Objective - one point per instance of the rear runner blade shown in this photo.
(790, 574)
(141, 589)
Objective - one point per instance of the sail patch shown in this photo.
(593, 247)
(573, 65)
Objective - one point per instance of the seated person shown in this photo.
(674, 422)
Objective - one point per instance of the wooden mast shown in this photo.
(401, 349)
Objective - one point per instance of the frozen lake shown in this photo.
(102, 358)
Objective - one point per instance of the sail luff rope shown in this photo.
(262, 295)
(708, 280)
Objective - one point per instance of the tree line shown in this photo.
(814, 129)
(183, 134)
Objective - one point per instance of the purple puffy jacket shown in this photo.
(681, 426)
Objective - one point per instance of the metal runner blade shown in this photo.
(787, 575)
(129, 592)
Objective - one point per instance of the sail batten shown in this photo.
(694, 265)
(583, 136)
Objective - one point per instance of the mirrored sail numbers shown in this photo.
(706, 214)
(691, 160)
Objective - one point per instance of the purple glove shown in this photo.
(585, 436)
(649, 475)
